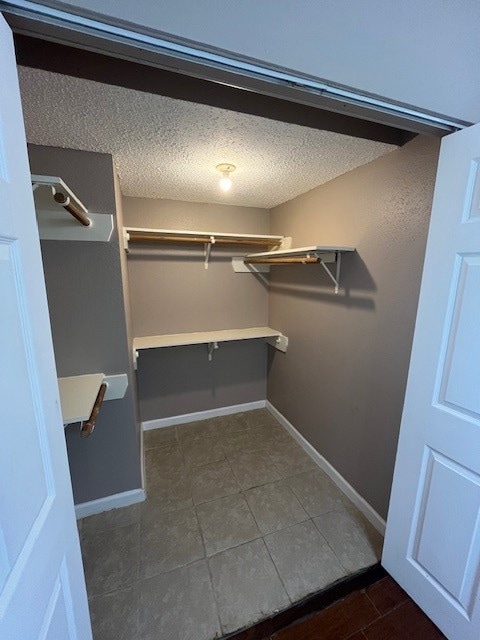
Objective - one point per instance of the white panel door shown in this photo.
(432, 544)
(42, 588)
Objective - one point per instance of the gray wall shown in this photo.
(343, 379)
(171, 292)
(421, 53)
(87, 313)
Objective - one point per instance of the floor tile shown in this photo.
(274, 507)
(170, 492)
(252, 469)
(246, 585)
(354, 540)
(213, 481)
(161, 462)
(111, 558)
(316, 492)
(386, 594)
(304, 560)
(168, 540)
(112, 519)
(179, 605)
(226, 425)
(241, 441)
(196, 430)
(203, 451)
(226, 523)
(258, 417)
(153, 438)
(114, 615)
(407, 622)
(290, 459)
(272, 436)
(337, 622)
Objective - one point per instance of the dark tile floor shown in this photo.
(239, 523)
(383, 611)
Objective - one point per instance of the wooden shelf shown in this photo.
(210, 338)
(78, 393)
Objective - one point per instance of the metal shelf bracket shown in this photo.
(334, 278)
(211, 347)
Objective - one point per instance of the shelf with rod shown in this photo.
(61, 215)
(316, 254)
(79, 396)
(138, 235)
(211, 339)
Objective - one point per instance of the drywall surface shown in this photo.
(342, 381)
(424, 54)
(172, 292)
(87, 313)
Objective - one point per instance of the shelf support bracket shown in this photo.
(211, 347)
(334, 278)
(208, 249)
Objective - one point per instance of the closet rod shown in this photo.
(88, 426)
(150, 237)
(294, 260)
(64, 200)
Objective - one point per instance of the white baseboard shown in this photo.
(362, 505)
(202, 415)
(124, 499)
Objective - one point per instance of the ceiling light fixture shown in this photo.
(225, 181)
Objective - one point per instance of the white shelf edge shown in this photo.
(299, 251)
(78, 393)
(204, 234)
(211, 338)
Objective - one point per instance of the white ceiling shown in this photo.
(167, 148)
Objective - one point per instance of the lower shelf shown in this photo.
(78, 393)
(211, 338)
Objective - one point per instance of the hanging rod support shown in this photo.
(211, 347)
(335, 279)
(208, 249)
(74, 211)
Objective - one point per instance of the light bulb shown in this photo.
(225, 183)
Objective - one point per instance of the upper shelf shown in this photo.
(61, 214)
(206, 238)
(211, 338)
(322, 254)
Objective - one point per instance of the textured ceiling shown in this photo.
(167, 148)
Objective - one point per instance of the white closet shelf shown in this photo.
(78, 393)
(61, 215)
(210, 338)
(205, 238)
(261, 262)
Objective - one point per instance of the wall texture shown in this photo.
(343, 379)
(87, 313)
(423, 54)
(171, 292)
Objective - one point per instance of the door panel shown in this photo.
(42, 588)
(432, 544)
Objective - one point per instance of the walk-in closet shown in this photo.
(232, 300)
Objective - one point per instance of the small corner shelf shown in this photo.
(211, 339)
(61, 214)
(261, 262)
(207, 238)
(79, 393)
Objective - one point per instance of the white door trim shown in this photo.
(212, 64)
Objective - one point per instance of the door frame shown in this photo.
(96, 32)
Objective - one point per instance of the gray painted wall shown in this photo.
(171, 292)
(424, 54)
(87, 313)
(342, 381)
